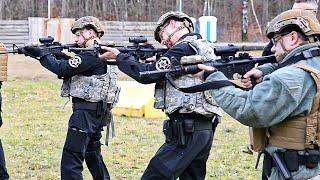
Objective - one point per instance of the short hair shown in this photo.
(312, 2)
(295, 28)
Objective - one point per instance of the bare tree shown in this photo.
(245, 20)
(230, 14)
(255, 16)
(116, 9)
(64, 8)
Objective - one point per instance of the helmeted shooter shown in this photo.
(301, 20)
(177, 15)
(88, 21)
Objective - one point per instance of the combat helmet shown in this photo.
(169, 15)
(88, 21)
(304, 20)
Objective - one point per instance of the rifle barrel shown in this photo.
(9, 52)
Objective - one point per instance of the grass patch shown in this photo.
(35, 126)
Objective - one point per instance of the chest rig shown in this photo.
(93, 88)
(298, 133)
(170, 99)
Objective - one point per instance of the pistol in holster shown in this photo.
(186, 126)
(281, 165)
(274, 160)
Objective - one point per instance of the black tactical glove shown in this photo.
(60, 55)
(57, 52)
(36, 51)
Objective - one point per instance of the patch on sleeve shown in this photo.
(75, 62)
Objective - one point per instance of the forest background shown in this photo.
(238, 20)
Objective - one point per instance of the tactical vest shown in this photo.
(93, 88)
(170, 99)
(296, 133)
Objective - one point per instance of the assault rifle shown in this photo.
(229, 64)
(139, 48)
(45, 43)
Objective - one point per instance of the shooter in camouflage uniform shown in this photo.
(92, 86)
(193, 117)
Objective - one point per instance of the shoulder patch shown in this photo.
(75, 62)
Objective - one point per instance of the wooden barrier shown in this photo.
(14, 32)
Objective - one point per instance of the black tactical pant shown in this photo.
(3, 171)
(83, 143)
(187, 161)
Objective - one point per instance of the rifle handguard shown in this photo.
(194, 59)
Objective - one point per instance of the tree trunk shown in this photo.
(245, 20)
(256, 18)
(116, 9)
(1, 7)
(64, 8)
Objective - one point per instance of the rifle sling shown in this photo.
(111, 62)
(304, 55)
(202, 87)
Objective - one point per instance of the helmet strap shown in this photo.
(188, 26)
(90, 42)
(313, 39)
(175, 31)
(86, 39)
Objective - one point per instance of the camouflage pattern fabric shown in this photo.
(171, 99)
(93, 88)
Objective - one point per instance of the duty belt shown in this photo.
(95, 106)
(176, 128)
(289, 161)
(293, 159)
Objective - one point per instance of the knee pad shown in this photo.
(94, 146)
(77, 140)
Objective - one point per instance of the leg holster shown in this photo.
(178, 128)
(167, 130)
(174, 129)
(267, 165)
